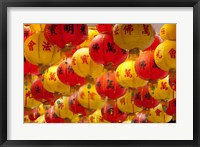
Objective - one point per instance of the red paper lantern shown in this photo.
(104, 51)
(104, 28)
(111, 113)
(67, 75)
(171, 109)
(51, 117)
(156, 42)
(76, 107)
(107, 86)
(63, 34)
(40, 93)
(146, 67)
(30, 68)
(142, 98)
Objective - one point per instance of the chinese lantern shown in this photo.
(165, 55)
(27, 32)
(131, 36)
(126, 102)
(142, 98)
(127, 76)
(168, 32)
(40, 119)
(156, 42)
(51, 117)
(104, 28)
(30, 68)
(140, 117)
(29, 101)
(62, 110)
(111, 113)
(172, 79)
(34, 115)
(146, 67)
(171, 109)
(84, 66)
(40, 93)
(158, 115)
(104, 51)
(64, 35)
(92, 32)
(72, 51)
(38, 51)
(76, 107)
(52, 83)
(67, 75)
(161, 90)
(89, 98)
(107, 86)
(96, 117)
(37, 27)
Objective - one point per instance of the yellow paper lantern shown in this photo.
(89, 98)
(158, 115)
(37, 27)
(126, 103)
(130, 36)
(168, 32)
(52, 83)
(161, 90)
(127, 76)
(84, 66)
(29, 101)
(165, 55)
(92, 32)
(96, 117)
(61, 108)
(38, 51)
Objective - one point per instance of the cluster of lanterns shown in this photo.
(110, 73)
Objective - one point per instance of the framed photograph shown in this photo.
(103, 73)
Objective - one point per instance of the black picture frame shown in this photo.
(4, 4)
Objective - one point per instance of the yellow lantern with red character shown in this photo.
(38, 51)
(37, 27)
(96, 117)
(126, 102)
(168, 32)
(52, 83)
(61, 108)
(161, 90)
(131, 36)
(158, 115)
(89, 98)
(165, 55)
(127, 76)
(92, 32)
(84, 66)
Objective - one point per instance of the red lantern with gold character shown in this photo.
(107, 86)
(104, 28)
(111, 113)
(142, 98)
(104, 51)
(51, 117)
(67, 75)
(66, 34)
(146, 67)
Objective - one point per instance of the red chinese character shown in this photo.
(52, 76)
(158, 54)
(146, 29)
(172, 53)
(46, 46)
(164, 86)
(84, 59)
(91, 95)
(158, 112)
(162, 31)
(128, 73)
(82, 95)
(128, 29)
(92, 118)
(31, 44)
(122, 101)
(73, 61)
(116, 31)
